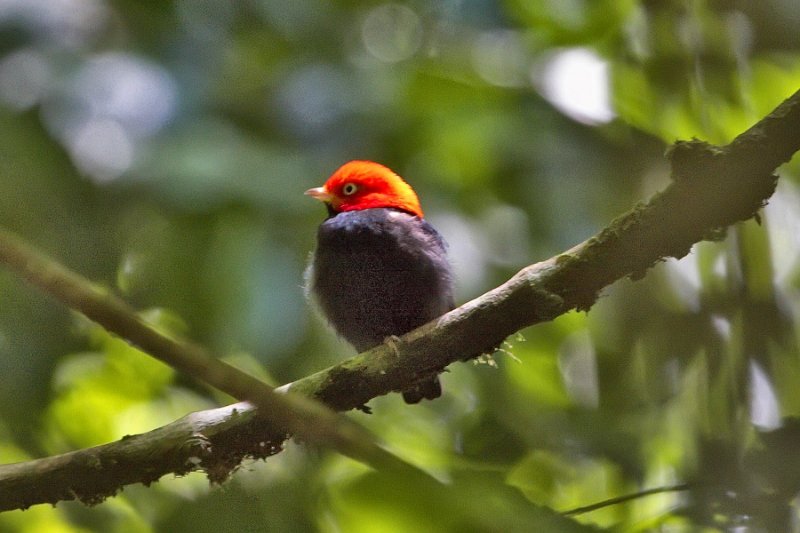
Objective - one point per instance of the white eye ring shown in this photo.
(349, 189)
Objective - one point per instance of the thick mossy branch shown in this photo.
(216, 440)
(712, 188)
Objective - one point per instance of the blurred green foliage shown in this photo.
(162, 148)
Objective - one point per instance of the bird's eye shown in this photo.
(349, 189)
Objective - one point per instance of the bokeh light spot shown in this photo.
(24, 76)
(499, 57)
(102, 149)
(392, 33)
(113, 101)
(576, 82)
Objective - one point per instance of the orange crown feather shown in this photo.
(364, 185)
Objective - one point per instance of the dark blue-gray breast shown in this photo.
(379, 272)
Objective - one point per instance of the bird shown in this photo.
(379, 269)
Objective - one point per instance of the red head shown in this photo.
(364, 185)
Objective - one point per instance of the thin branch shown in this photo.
(712, 188)
(626, 498)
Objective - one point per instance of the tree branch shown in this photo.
(284, 413)
(712, 188)
(92, 474)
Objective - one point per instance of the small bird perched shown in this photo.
(380, 269)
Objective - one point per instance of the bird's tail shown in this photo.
(428, 390)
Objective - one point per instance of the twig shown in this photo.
(626, 498)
